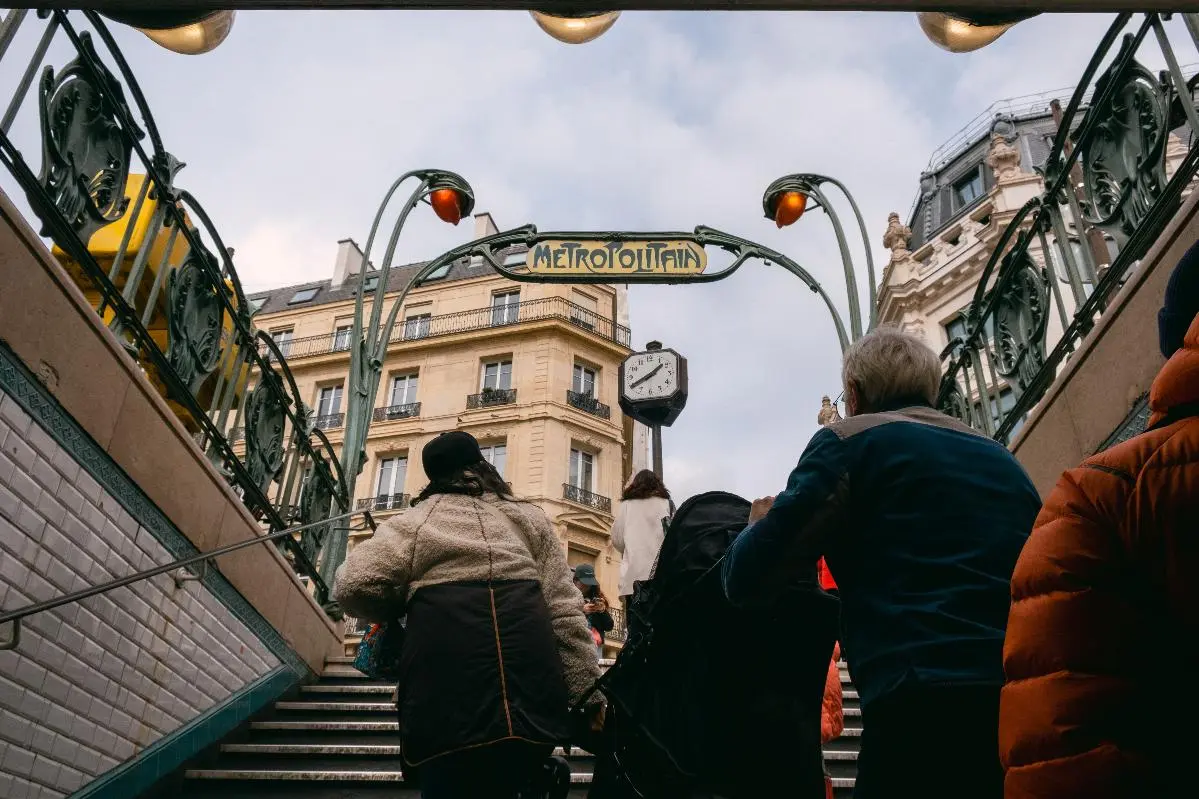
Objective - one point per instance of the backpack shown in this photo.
(378, 653)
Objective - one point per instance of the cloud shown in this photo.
(295, 127)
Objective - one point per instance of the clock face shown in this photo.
(650, 375)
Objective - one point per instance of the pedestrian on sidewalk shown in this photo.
(638, 532)
(496, 646)
(1103, 638)
(921, 519)
(595, 606)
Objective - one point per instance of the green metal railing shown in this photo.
(179, 567)
(1044, 261)
(150, 261)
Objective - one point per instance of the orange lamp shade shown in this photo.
(447, 205)
(790, 208)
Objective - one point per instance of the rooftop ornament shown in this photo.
(577, 27)
(960, 33)
(185, 32)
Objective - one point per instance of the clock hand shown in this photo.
(641, 380)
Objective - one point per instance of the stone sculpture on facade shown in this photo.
(829, 414)
(896, 237)
(1003, 158)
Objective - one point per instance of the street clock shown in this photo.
(653, 385)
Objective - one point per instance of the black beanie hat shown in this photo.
(450, 453)
(1181, 304)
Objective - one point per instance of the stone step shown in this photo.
(328, 726)
(337, 707)
(321, 775)
(324, 688)
(383, 750)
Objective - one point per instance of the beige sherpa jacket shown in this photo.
(453, 538)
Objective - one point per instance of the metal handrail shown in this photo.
(15, 616)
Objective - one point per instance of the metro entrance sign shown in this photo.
(616, 259)
(620, 257)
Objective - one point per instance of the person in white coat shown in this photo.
(637, 534)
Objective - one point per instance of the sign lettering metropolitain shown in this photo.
(616, 258)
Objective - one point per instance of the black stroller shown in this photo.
(712, 700)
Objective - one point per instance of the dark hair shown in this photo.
(645, 485)
(473, 481)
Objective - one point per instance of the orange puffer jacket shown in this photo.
(832, 717)
(1101, 645)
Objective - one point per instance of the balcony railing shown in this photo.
(330, 421)
(539, 310)
(1105, 177)
(588, 404)
(393, 412)
(582, 496)
(490, 398)
(620, 625)
(149, 260)
(384, 502)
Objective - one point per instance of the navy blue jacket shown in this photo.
(920, 520)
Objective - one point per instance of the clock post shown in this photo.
(653, 391)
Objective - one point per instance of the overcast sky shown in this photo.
(294, 128)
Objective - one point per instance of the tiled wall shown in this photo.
(94, 683)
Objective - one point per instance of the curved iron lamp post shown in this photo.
(789, 197)
(451, 198)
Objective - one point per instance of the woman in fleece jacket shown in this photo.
(496, 647)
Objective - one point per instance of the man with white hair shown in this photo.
(920, 520)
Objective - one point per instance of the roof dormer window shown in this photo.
(303, 295)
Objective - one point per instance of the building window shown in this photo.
(393, 472)
(957, 327)
(585, 310)
(341, 337)
(438, 273)
(516, 258)
(497, 376)
(497, 456)
(417, 326)
(968, 189)
(582, 470)
(282, 339)
(303, 295)
(505, 308)
(403, 389)
(256, 304)
(329, 401)
(372, 283)
(584, 381)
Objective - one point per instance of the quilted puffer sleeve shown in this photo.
(832, 715)
(1075, 643)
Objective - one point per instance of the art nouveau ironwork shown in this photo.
(153, 266)
(1119, 140)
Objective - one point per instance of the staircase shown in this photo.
(338, 739)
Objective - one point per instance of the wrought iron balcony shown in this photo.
(330, 421)
(620, 625)
(582, 496)
(96, 175)
(588, 404)
(491, 397)
(1106, 184)
(384, 502)
(539, 310)
(393, 412)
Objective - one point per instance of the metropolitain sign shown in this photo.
(616, 258)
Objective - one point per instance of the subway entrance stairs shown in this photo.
(338, 739)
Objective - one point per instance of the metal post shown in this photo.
(657, 444)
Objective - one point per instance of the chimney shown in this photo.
(484, 226)
(348, 263)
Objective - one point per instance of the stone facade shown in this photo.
(95, 682)
(542, 349)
